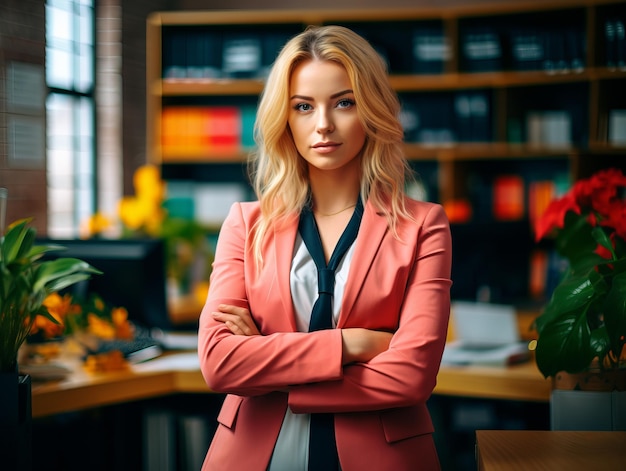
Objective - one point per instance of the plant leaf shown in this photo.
(602, 238)
(615, 313)
(575, 240)
(573, 293)
(13, 240)
(564, 344)
(51, 273)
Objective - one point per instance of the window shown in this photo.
(70, 113)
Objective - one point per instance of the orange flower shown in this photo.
(123, 329)
(60, 308)
(100, 327)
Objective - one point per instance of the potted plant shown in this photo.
(26, 280)
(582, 329)
(148, 213)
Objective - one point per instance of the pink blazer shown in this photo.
(401, 286)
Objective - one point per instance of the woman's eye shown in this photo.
(345, 103)
(302, 107)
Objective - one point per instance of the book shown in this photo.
(481, 50)
(200, 131)
(549, 128)
(508, 198)
(431, 49)
(540, 194)
(617, 127)
(241, 56)
(527, 49)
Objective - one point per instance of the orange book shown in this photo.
(540, 194)
(193, 132)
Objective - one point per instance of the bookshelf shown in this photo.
(507, 100)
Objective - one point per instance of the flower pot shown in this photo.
(15, 422)
(591, 400)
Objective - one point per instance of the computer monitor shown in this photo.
(133, 275)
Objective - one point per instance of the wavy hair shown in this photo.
(278, 173)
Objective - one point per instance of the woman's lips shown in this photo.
(325, 147)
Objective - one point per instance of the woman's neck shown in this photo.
(334, 192)
(330, 199)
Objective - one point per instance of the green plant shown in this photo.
(585, 319)
(149, 214)
(26, 281)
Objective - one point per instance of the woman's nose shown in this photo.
(324, 123)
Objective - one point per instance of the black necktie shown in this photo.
(322, 447)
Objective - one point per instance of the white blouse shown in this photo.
(291, 452)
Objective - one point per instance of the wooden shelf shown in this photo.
(402, 83)
(463, 169)
(183, 87)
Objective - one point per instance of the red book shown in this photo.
(508, 198)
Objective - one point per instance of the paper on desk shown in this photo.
(456, 353)
(486, 334)
(187, 361)
(45, 371)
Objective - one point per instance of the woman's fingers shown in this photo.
(237, 319)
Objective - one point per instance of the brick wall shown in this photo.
(22, 40)
(134, 17)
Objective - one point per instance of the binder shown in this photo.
(431, 49)
(482, 50)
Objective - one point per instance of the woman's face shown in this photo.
(323, 115)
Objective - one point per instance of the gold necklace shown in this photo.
(334, 214)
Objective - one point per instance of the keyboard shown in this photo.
(135, 351)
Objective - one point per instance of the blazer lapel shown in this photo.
(371, 233)
(284, 239)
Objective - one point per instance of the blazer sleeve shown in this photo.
(254, 365)
(406, 373)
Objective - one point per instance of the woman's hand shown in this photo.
(237, 319)
(361, 345)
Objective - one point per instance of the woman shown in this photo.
(329, 163)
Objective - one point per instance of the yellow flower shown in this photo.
(94, 225)
(130, 213)
(144, 212)
(148, 184)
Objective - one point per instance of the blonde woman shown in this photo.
(330, 296)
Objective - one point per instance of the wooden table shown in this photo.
(177, 373)
(513, 450)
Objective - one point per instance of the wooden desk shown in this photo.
(83, 390)
(521, 382)
(506, 450)
(161, 377)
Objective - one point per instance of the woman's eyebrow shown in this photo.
(334, 95)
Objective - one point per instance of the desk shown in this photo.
(177, 373)
(505, 450)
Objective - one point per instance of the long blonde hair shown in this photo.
(279, 174)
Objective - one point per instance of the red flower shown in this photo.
(616, 218)
(554, 215)
(600, 197)
(599, 193)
